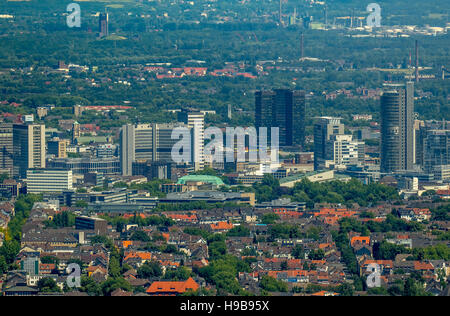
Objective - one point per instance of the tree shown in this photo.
(140, 236)
(239, 231)
(378, 291)
(298, 252)
(88, 285)
(114, 266)
(9, 250)
(269, 218)
(113, 284)
(345, 290)
(317, 254)
(387, 251)
(48, 285)
(179, 274)
(216, 249)
(270, 284)
(226, 282)
(442, 213)
(3, 265)
(149, 270)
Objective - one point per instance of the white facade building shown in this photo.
(48, 180)
(344, 151)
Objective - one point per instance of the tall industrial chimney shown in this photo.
(281, 18)
(302, 47)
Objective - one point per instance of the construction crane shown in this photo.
(240, 36)
(256, 38)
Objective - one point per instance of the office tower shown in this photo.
(284, 109)
(324, 129)
(103, 24)
(57, 147)
(76, 131)
(418, 135)
(28, 148)
(6, 149)
(195, 120)
(78, 110)
(342, 150)
(146, 142)
(397, 127)
(48, 180)
(437, 153)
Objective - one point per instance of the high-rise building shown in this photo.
(343, 151)
(419, 134)
(57, 147)
(103, 21)
(6, 148)
(397, 127)
(145, 142)
(28, 148)
(284, 109)
(76, 131)
(195, 120)
(324, 129)
(437, 152)
(48, 180)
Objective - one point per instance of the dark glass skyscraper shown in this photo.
(284, 109)
(397, 127)
(103, 22)
(6, 148)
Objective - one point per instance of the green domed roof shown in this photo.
(201, 178)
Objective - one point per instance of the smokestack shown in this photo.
(417, 61)
(302, 47)
(281, 19)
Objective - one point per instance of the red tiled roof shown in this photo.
(360, 240)
(172, 288)
(222, 226)
(418, 265)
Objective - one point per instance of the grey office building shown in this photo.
(436, 150)
(397, 127)
(146, 142)
(284, 109)
(28, 148)
(324, 129)
(6, 148)
(86, 165)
